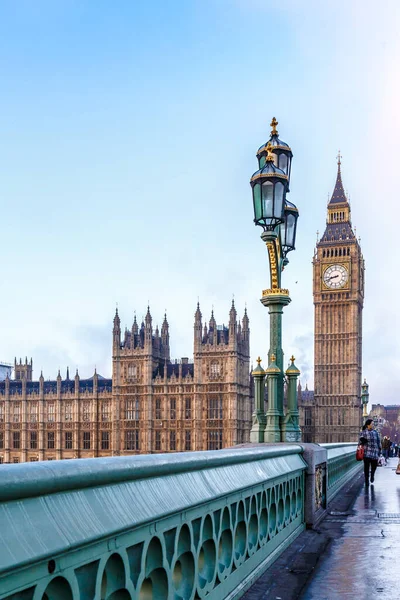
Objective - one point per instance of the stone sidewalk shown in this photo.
(352, 554)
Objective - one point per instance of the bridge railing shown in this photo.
(176, 526)
(341, 466)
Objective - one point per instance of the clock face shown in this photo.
(336, 276)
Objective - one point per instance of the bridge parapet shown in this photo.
(174, 526)
(185, 525)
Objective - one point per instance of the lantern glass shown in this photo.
(257, 202)
(288, 228)
(268, 198)
(278, 204)
(283, 163)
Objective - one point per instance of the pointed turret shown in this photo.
(116, 333)
(232, 323)
(135, 328)
(197, 328)
(67, 376)
(165, 338)
(245, 322)
(148, 330)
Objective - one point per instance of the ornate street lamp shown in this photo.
(278, 219)
(365, 398)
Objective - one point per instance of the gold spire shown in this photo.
(292, 358)
(273, 124)
(270, 156)
(273, 357)
(339, 159)
(258, 361)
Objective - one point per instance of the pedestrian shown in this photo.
(372, 447)
(386, 448)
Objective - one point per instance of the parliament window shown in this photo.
(132, 439)
(188, 440)
(215, 370)
(105, 440)
(188, 408)
(33, 415)
(1, 412)
(86, 440)
(158, 408)
(158, 440)
(68, 440)
(33, 440)
(50, 440)
(172, 440)
(68, 411)
(86, 411)
(172, 414)
(16, 412)
(16, 440)
(215, 407)
(50, 412)
(15, 459)
(214, 439)
(105, 411)
(1, 439)
(132, 410)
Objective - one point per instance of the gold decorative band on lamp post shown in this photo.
(278, 219)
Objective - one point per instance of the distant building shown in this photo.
(305, 400)
(151, 404)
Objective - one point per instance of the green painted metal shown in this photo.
(273, 415)
(180, 526)
(258, 417)
(290, 426)
(341, 466)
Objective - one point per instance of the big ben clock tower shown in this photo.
(338, 289)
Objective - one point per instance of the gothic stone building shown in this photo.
(151, 404)
(338, 289)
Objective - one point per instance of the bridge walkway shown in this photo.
(352, 554)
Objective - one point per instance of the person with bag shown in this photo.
(386, 444)
(372, 447)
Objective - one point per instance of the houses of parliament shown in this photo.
(151, 403)
(155, 404)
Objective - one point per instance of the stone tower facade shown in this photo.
(338, 290)
(151, 404)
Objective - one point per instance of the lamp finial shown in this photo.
(273, 124)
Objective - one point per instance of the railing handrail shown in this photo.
(25, 480)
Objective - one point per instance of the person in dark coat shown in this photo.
(372, 448)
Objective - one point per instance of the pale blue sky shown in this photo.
(128, 137)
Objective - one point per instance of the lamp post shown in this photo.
(278, 219)
(364, 398)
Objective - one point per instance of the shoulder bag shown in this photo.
(360, 452)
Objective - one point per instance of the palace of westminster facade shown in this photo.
(152, 404)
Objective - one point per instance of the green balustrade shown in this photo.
(178, 526)
(342, 466)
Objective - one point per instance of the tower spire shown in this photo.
(338, 195)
